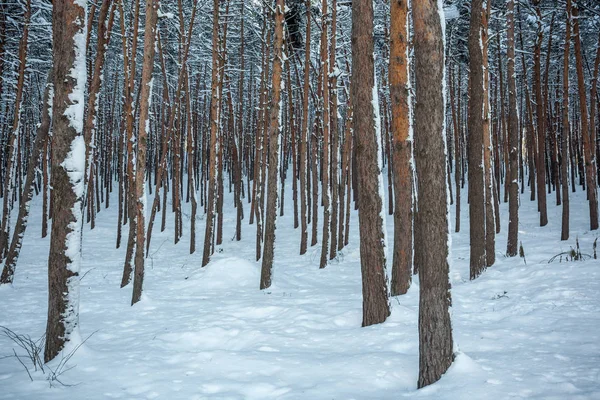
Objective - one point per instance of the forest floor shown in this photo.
(520, 330)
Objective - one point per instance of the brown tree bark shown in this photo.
(324, 80)
(372, 253)
(402, 148)
(41, 138)
(129, 119)
(588, 148)
(68, 145)
(541, 120)
(214, 132)
(142, 145)
(335, 135)
(477, 216)
(565, 135)
(274, 136)
(11, 164)
(90, 124)
(594, 138)
(490, 227)
(513, 138)
(435, 329)
(303, 139)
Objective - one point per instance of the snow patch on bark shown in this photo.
(380, 185)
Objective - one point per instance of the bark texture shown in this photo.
(475, 125)
(435, 329)
(273, 132)
(372, 254)
(402, 148)
(68, 155)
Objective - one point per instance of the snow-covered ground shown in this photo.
(520, 330)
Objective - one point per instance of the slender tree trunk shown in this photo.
(143, 131)
(541, 121)
(335, 135)
(564, 145)
(477, 216)
(129, 179)
(90, 125)
(490, 228)
(214, 128)
(274, 136)
(324, 80)
(11, 162)
(588, 147)
(41, 138)
(594, 139)
(402, 148)
(513, 138)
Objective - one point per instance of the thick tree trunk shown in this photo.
(431, 224)
(370, 215)
(68, 170)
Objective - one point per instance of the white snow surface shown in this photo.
(521, 330)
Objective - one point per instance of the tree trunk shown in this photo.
(370, 215)
(513, 138)
(274, 136)
(431, 224)
(41, 138)
(324, 80)
(68, 169)
(541, 121)
(214, 128)
(477, 215)
(588, 148)
(335, 135)
(304, 132)
(490, 228)
(143, 131)
(402, 148)
(11, 164)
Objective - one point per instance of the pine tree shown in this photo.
(68, 170)
(431, 224)
(372, 253)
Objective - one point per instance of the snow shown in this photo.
(74, 164)
(521, 330)
(451, 12)
(380, 184)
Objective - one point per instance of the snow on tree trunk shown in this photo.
(68, 169)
